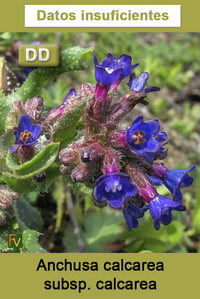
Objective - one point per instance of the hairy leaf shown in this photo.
(30, 242)
(23, 185)
(36, 165)
(64, 129)
(29, 214)
(6, 140)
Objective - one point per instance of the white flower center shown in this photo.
(114, 187)
(108, 70)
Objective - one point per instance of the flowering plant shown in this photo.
(82, 142)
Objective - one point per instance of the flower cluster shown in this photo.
(124, 163)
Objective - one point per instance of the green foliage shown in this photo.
(30, 242)
(29, 237)
(100, 228)
(66, 125)
(24, 185)
(36, 165)
(29, 214)
(80, 191)
(159, 106)
(6, 140)
(55, 92)
(145, 237)
(184, 126)
(22, 177)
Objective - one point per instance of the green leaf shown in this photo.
(100, 227)
(3, 166)
(6, 140)
(29, 214)
(30, 242)
(64, 130)
(145, 237)
(69, 239)
(24, 185)
(36, 165)
(79, 190)
(70, 59)
(20, 185)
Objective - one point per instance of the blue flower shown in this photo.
(173, 179)
(71, 93)
(27, 134)
(144, 138)
(160, 209)
(131, 213)
(114, 189)
(138, 84)
(110, 69)
(124, 62)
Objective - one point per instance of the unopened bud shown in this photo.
(71, 93)
(12, 118)
(82, 172)
(65, 169)
(86, 157)
(69, 156)
(17, 107)
(57, 113)
(92, 152)
(6, 197)
(162, 154)
(40, 177)
(34, 107)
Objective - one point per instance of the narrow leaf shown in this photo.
(36, 165)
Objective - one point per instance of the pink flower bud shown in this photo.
(111, 161)
(117, 139)
(145, 188)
